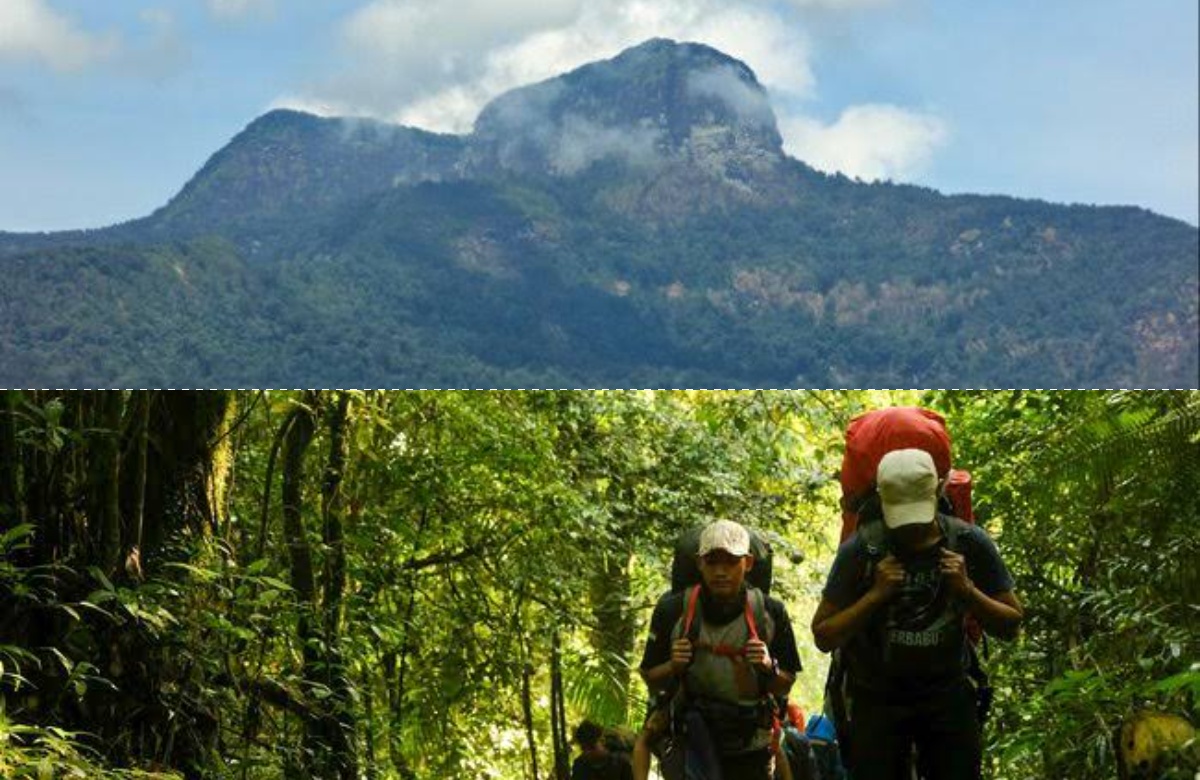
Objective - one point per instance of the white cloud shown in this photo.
(32, 30)
(581, 143)
(436, 64)
(392, 27)
(309, 105)
(723, 83)
(869, 141)
(451, 110)
(777, 51)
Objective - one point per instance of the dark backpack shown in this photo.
(618, 741)
(798, 752)
(685, 573)
(827, 761)
(611, 767)
(873, 534)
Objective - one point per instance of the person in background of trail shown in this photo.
(704, 644)
(795, 760)
(900, 626)
(595, 762)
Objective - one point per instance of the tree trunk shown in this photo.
(48, 543)
(558, 713)
(101, 478)
(395, 694)
(140, 427)
(332, 511)
(10, 502)
(339, 721)
(527, 713)
(613, 637)
(187, 467)
(104, 480)
(367, 686)
(300, 434)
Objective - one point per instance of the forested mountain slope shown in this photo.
(633, 222)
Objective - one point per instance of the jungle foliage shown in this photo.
(424, 584)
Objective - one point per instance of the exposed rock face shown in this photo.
(687, 127)
(655, 105)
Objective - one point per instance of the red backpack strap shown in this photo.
(690, 613)
(751, 623)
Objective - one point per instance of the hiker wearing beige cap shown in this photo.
(894, 604)
(726, 650)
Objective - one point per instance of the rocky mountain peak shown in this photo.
(660, 102)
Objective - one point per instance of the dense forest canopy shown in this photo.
(430, 584)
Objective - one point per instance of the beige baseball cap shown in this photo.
(725, 535)
(908, 483)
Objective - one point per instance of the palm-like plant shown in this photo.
(1094, 496)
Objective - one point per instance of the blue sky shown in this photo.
(107, 108)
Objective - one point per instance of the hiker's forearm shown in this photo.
(837, 629)
(657, 677)
(781, 683)
(1000, 616)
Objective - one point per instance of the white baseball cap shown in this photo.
(908, 483)
(725, 535)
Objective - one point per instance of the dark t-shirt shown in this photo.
(605, 767)
(669, 609)
(916, 644)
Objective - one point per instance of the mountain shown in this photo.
(634, 222)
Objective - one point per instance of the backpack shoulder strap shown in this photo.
(873, 537)
(691, 628)
(758, 620)
(955, 530)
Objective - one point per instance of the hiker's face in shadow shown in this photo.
(911, 538)
(724, 573)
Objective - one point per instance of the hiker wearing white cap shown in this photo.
(727, 650)
(894, 604)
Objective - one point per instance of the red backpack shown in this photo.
(872, 435)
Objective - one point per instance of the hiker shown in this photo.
(826, 753)
(725, 650)
(898, 619)
(795, 760)
(809, 747)
(595, 761)
(619, 741)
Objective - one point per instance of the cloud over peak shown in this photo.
(871, 141)
(31, 30)
(434, 64)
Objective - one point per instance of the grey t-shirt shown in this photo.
(916, 644)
